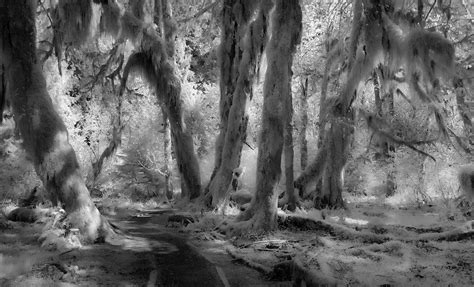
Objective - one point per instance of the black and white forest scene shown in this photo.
(236, 143)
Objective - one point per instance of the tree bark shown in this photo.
(44, 134)
(286, 23)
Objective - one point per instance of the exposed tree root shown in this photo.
(285, 204)
(181, 219)
(377, 235)
(466, 231)
(290, 270)
(303, 276)
(23, 214)
(241, 228)
(247, 261)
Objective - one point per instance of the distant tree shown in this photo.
(426, 59)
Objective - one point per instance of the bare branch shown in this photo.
(200, 13)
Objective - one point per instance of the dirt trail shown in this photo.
(189, 265)
(153, 255)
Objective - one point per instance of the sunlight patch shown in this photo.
(139, 244)
(353, 221)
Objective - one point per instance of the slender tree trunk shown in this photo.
(322, 102)
(169, 93)
(464, 111)
(332, 53)
(230, 57)
(288, 147)
(286, 23)
(383, 145)
(167, 156)
(114, 144)
(3, 90)
(380, 142)
(304, 124)
(244, 50)
(44, 134)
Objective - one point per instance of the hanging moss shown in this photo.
(143, 10)
(132, 27)
(110, 19)
(74, 19)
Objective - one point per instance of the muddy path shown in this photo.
(150, 254)
(187, 262)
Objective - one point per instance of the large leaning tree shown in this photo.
(381, 36)
(285, 35)
(44, 134)
(149, 26)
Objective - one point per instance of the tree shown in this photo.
(423, 56)
(286, 30)
(44, 134)
(154, 59)
(243, 41)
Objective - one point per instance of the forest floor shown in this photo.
(369, 244)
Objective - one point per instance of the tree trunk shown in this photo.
(169, 93)
(239, 56)
(160, 70)
(340, 132)
(44, 134)
(304, 124)
(333, 52)
(464, 111)
(339, 138)
(322, 102)
(3, 90)
(379, 142)
(286, 23)
(167, 156)
(114, 144)
(288, 148)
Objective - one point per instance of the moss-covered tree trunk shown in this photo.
(169, 90)
(322, 100)
(242, 43)
(339, 137)
(288, 148)
(44, 134)
(463, 108)
(229, 56)
(154, 58)
(361, 64)
(3, 91)
(286, 28)
(304, 124)
(167, 156)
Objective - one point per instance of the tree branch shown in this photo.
(201, 12)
